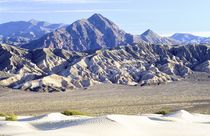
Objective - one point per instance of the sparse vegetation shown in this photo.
(11, 117)
(72, 113)
(163, 112)
(2, 114)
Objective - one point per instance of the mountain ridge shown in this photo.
(21, 32)
(95, 33)
(187, 38)
(140, 64)
(153, 38)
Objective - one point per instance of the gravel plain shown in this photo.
(191, 94)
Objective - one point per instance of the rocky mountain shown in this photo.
(153, 38)
(22, 32)
(94, 33)
(140, 64)
(185, 38)
(98, 32)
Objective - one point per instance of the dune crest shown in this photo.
(55, 124)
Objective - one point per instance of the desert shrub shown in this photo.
(72, 113)
(2, 114)
(163, 112)
(11, 117)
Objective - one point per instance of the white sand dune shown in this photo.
(180, 123)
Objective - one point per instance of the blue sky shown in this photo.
(134, 16)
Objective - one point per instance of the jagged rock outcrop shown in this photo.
(15, 60)
(139, 64)
(22, 32)
(192, 55)
(24, 66)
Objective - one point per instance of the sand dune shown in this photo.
(179, 123)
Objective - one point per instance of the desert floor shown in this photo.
(191, 94)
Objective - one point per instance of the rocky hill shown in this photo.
(140, 64)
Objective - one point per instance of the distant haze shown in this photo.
(204, 34)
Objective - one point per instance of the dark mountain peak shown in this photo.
(99, 20)
(149, 32)
(105, 25)
(96, 16)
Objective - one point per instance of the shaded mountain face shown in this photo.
(190, 39)
(153, 38)
(94, 33)
(141, 64)
(40, 61)
(21, 32)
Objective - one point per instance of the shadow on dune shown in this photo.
(47, 125)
